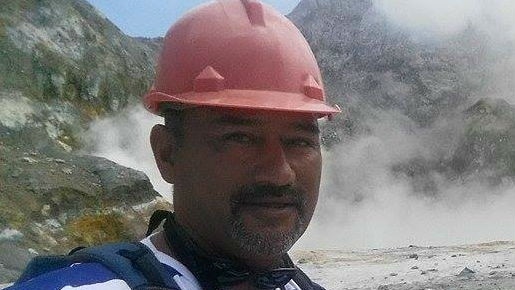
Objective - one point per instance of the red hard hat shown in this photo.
(237, 54)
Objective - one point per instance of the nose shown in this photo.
(273, 166)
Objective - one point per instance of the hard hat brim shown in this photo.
(242, 99)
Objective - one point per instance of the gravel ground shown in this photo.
(488, 266)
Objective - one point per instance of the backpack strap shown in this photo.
(304, 282)
(132, 262)
(43, 264)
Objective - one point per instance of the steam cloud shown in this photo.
(124, 139)
(442, 18)
(434, 21)
(362, 203)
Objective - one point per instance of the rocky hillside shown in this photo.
(489, 142)
(51, 203)
(441, 92)
(63, 64)
(371, 64)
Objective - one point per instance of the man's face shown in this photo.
(246, 182)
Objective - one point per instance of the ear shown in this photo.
(163, 145)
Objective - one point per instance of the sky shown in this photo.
(152, 18)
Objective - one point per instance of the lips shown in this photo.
(286, 200)
(267, 203)
(269, 198)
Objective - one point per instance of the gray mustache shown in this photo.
(250, 193)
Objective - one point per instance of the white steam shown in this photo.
(124, 139)
(363, 205)
(447, 17)
(441, 21)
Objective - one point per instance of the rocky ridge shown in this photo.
(370, 64)
(53, 202)
(62, 65)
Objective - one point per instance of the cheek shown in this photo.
(206, 184)
(308, 172)
(308, 168)
(234, 166)
(214, 173)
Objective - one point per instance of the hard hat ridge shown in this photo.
(255, 12)
(209, 80)
(237, 54)
(312, 89)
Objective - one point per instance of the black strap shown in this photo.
(155, 220)
(144, 261)
(41, 265)
(75, 250)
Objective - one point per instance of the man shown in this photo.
(241, 94)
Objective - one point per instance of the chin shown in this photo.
(265, 241)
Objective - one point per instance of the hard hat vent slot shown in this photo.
(209, 80)
(255, 12)
(312, 89)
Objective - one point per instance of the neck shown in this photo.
(257, 264)
(215, 272)
(229, 250)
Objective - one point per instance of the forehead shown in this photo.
(251, 118)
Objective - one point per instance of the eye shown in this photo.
(301, 143)
(239, 137)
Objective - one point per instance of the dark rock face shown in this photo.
(51, 203)
(120, 183)
(37, 185)
(488, 146)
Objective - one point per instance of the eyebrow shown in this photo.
(308, 127)
(236, 120)
(311, 127)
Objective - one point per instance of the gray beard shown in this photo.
(264, 243)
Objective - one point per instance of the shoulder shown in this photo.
(83, 276)
(182, 275)
(58, 273)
